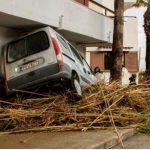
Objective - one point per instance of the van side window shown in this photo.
(27, 46)
(63, 44)
(86, 66)
(75, 53)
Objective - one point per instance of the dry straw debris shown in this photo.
(102, 106)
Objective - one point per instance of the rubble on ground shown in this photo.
(102, 106)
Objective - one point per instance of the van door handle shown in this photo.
(84, 70)
(31, 73)
(89, 72)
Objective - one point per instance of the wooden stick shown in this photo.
(112, 119)
(12, 103)
(22, 91)
(106, 110)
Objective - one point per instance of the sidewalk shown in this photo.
(62, 140)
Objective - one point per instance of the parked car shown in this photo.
(43, 57)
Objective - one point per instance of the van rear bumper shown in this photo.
(43, 81)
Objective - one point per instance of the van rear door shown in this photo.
(30, 58)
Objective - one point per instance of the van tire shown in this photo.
(76, 88)
(2, 88)
(3, 95)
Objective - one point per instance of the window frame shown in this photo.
(67, 48)
(87, 65)
(75, 53)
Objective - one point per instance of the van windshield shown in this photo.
(27, 46)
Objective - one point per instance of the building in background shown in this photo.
(100, 55)
(139, 13)
(87, 24)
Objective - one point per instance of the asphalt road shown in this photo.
(136, 142)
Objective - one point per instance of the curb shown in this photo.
(114, 140)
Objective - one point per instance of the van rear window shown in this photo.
(27, 46)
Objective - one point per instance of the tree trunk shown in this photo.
(147, 31)
(117, 48)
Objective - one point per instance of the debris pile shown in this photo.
(101, 107)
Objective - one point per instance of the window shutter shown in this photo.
(97, 60)
(131, 61)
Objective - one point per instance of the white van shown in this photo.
(43, 57)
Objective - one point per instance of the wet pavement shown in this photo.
(136, 142)
(63, 140)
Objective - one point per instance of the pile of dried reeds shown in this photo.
(102, 106)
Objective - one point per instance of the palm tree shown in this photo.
(117, 48)
(146, 28)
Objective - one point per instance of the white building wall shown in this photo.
(88, 59)
(131, 33)
(130, 36)
(76, 18)
(96, 8)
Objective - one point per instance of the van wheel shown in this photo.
(2, 93)
(76, 88)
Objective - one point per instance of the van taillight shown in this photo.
(58, 53)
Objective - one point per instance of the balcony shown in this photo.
(76, 22)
